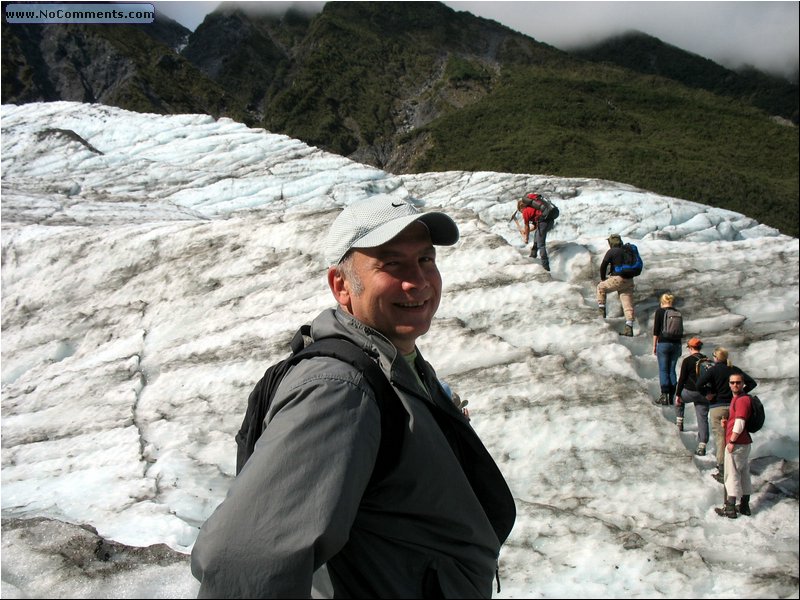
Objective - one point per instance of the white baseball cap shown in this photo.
(376, 220)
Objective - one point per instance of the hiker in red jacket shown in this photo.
(737, 452)
(532, 220)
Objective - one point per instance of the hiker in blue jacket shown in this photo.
(434, 524)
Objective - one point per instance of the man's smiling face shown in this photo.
(400, 287)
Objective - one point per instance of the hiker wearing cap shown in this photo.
(686, 393)
(434, 524)
(530, 208)
(621, 284)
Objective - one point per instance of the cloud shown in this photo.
(275, 8)
(191, 14)
(761, 34)
(734, 34)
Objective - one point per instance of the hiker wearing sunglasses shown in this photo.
(715, 384)
(737, 452)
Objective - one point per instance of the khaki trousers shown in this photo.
(737, 471)
(715, 416)
(624, 287)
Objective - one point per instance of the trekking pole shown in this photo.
(514, 216)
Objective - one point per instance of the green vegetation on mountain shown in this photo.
(362, 65)
(648, 55)
(115, 65)
(611, 124)
(437, 90)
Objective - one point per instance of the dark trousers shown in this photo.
(540, 243)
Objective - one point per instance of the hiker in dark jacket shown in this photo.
(716, 381)
(668, 351)
(616, 283)
(686, 393)
(430, 527)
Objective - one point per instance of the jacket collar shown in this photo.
(336, 322)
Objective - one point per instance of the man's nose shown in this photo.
(415, 276)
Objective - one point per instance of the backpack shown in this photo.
(672, 325)
(632, 263)
(703, 364)
(392, 412)
(757, 416)
(549, 210)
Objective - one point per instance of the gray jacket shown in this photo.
(432, 527)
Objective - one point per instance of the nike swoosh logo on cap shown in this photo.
(398, 205)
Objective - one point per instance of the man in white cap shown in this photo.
(433, 526)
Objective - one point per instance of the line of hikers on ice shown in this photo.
(720, 392)
(357, 410)
(718, 389)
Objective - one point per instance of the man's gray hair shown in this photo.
(347, 270)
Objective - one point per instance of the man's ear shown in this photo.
(339, 287)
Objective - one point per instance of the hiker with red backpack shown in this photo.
(538, 215)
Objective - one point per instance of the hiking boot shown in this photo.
(701, 450)
(534, 251)
(601, 308)
(628, 332)
(744, 506)
(719, 476)
(679, 421)
(729, 510)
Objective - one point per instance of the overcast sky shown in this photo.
(762, 34)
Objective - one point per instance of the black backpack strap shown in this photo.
(393, 415)
(298, 341)
(257, 406)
